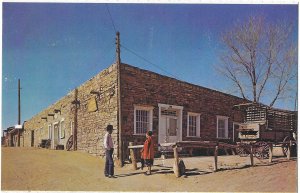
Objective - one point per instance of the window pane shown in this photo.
(142, 121)
(192, 125)
(221, 128)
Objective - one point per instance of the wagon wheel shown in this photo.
(69, 143)
(261, 150)
(242, 151)
(285, 146)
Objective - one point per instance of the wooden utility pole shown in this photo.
(118, 55)
(119, 119)
(75, 121)
(19, 110)
(19, 102)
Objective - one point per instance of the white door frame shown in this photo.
(53, 135)
(180, 108)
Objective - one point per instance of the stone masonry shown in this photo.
(91, 125)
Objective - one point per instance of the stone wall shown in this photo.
(92, 125)
(39, 127)
(94, 112)
(142, 87)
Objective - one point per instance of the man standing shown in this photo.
(109, 149)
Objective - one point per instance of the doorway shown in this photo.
(55, 135)
(170, 123)
(32, 138)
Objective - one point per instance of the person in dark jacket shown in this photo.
(147, 153)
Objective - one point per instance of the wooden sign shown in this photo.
(92, 105)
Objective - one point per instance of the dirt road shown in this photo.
(52, 170)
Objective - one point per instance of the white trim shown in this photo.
(180, 108)
(226, 126)
(62, 136)
(50, 131)
(145, 108)
(169, 106)
(198, 126)
(53, 135)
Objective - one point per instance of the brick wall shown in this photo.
(142, 87)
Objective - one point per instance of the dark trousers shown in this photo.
(109, 163)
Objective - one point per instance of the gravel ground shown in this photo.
(31, 169)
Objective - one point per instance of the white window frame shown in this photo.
(62, 135)
(226, 126)
(50, 131)
(198, 127)
(145, 108)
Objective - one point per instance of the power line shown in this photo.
(112, 21)
(141, 57)
(157, 66)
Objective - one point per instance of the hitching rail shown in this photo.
(215, 145)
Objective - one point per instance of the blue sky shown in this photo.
(54, 48)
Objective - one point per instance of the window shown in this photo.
(222, 127)
(142, 119)
(193, 125)
(49, 132)
(62, 129)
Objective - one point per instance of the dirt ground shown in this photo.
(52, 170)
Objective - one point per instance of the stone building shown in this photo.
(174, 110)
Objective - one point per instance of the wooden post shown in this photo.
(251, 155)
(216, 158)
(176, 162)
(270, 152)
(288, 153)
(132, 156)
(232, 151)
(226, 151)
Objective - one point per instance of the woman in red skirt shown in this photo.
(147, 153)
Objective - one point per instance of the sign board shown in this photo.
(92, 105)
(18, 127)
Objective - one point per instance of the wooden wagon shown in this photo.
(263, 126)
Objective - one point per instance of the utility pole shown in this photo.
(296, 101)
(118, 55)
(119, 119)
(75, 121)
(19, 103)
(19, 110)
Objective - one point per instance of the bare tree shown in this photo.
(260, 59)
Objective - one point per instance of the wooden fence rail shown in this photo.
(210, 145)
